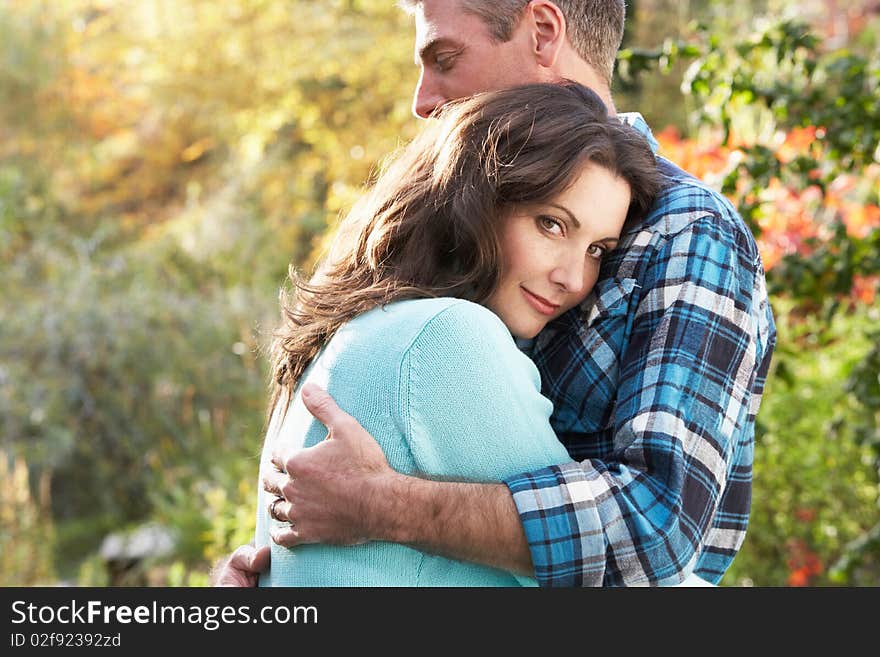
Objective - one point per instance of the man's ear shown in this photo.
(548, 31)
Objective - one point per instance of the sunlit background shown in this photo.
(163, 161)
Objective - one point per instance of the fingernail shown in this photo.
(306, 391)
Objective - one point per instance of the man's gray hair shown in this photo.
(594, 27)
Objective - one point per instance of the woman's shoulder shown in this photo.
(387, 334)
(466, 333)
(411, 318)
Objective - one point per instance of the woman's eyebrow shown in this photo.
(577, 224)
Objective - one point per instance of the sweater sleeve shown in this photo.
(471, 401)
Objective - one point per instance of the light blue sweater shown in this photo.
(444, 389)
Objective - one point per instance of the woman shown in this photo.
(490, 224)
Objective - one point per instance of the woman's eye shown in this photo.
(597, 251)
(551, 225)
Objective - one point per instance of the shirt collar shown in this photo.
(637, 121)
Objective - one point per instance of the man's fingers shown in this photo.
(286, 536)
(259, 559)
(320, 404)
(273, 483)
(281, 510)
(245, 557)
(242, 567)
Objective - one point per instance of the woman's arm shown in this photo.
(471, 409)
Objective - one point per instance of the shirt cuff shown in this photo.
(557, 508)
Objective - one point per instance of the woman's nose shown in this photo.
(570, 277)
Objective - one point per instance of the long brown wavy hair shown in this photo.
(430, 224)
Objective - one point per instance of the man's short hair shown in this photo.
(594, 27)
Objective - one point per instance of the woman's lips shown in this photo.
(540, 304)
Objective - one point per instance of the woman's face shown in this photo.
(551, 252)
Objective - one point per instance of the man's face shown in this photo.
(458, 56)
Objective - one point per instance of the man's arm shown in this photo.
(342, 491)
(640, 517)
(672, 484)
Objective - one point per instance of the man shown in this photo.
(655, 381)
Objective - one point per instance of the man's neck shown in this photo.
(574, 68)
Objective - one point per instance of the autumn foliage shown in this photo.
(163, 163)
(791, 220)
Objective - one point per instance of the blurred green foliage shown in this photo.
(817, 457)
(161, 164)
(815, 490)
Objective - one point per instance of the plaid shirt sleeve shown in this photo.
(666, 489)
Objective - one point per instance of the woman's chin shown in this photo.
(526, 332)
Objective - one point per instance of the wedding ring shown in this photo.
(272, 512)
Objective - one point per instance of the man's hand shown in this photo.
(343, 492)
(332, 492)
(242, 568)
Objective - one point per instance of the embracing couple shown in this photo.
(534, 353)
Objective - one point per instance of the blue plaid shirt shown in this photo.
(655, 381)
